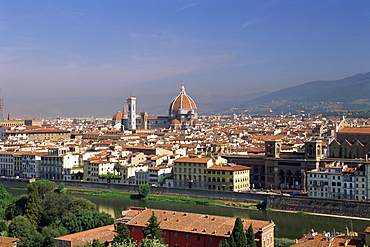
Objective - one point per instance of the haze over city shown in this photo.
(75, 58)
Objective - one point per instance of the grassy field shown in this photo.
(162, 198)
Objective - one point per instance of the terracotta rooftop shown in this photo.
(193, 160)
(8, 241)
(229, 168)
(192, 223)
(103, 234)
(360, 130)
(315, 239)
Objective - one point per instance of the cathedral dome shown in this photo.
(182, 102)
(175, 122)
(117, 116)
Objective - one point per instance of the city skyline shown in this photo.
(78, 55)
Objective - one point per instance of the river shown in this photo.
(288, 225)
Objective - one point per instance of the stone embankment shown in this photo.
(268, 200)
(320, 206)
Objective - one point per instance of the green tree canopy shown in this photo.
(83, 220)
(48, 234)
(5, 200)
(144, 190)
(153, 231)
(23, 229)
(61, 187)
(3, 226)
(148, 242)
(125, 244)
(41, 187)
(16, 208)
(57, 206)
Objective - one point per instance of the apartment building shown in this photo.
(191, 172)
(58, 163)
(333, 181)
(6, 164)
(361, 185)
(229, 177)
(158, 175)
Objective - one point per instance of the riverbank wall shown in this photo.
(319, 206)
(267, 200)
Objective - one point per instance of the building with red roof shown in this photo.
(197, 230)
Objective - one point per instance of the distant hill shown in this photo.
(351, 93)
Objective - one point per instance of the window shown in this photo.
(186, 235)
(210, 239)
(198, 237)
(175, 234)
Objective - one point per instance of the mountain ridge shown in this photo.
(349, 93)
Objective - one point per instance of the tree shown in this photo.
(96, 243)
(5, 200)
(41, 187)
(83, 220)
(153, 231)
(23, 229)
(3, 226)
(144, 190)
(123, 234)
(48, 234)
(117, 168)
(33, 208)
(238, 237)
(56, 206)
(148, 242)
(61, 187)
(250, 237)
(16, 208)
(125, 244)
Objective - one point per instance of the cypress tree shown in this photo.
(123, 234)
(250, 237)
(33, 208)
(238, 237)
(153, 231)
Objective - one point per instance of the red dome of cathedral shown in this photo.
(182, 102)
(175, 122)
(117, 116)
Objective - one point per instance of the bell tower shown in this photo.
(273, 148)
(313, 150)
(131, 110)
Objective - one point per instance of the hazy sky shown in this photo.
(61, 50)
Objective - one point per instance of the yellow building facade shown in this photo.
(229, 177)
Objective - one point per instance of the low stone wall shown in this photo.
(14, 183)
(320, 206)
